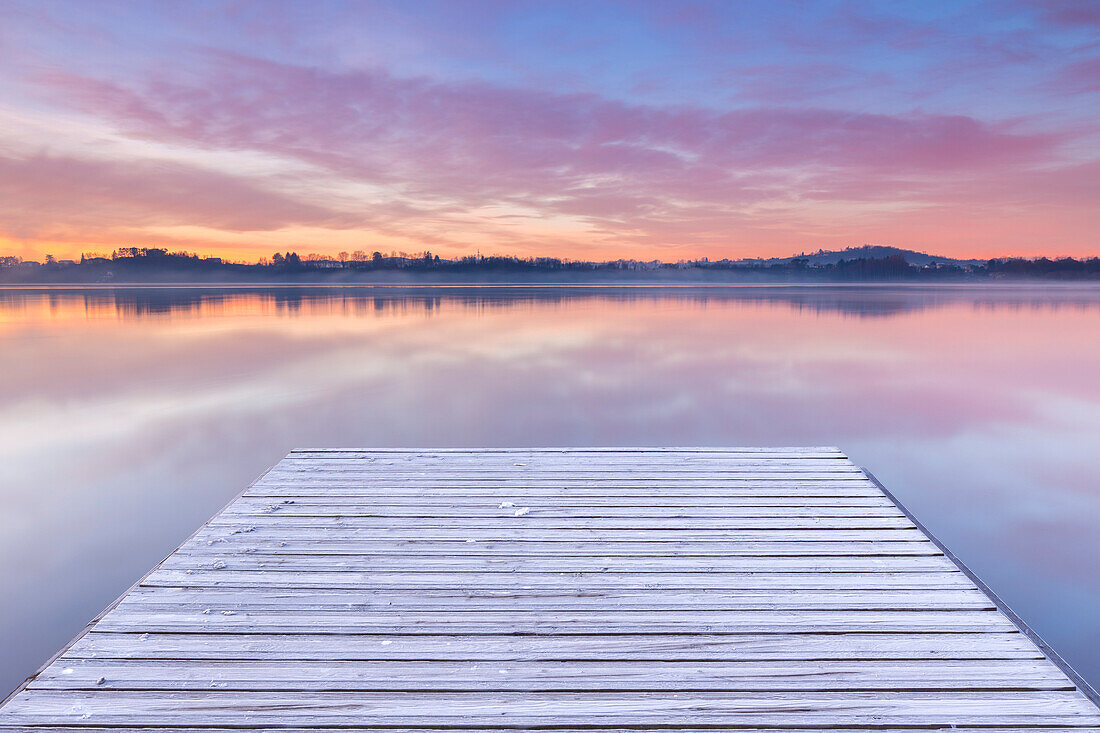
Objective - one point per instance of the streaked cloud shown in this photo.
(42, 196)
(458, 130)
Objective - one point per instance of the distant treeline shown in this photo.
(141, 264)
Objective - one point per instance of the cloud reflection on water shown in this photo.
(127, 417)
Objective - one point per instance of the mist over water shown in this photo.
(129, 416)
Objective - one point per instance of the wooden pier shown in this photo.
(742, 588)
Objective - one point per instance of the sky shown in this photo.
(588, 130)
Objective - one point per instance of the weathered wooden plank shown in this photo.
(520, 729)
(595, 463)
(591, 469)
(123, 707)
(640, 470)
(586, 452)
(256, 543)
(525, 600)
(630, 460)
(579, 498)
(249, 506)
(507, 676)
(482, 458)
(643, 477)
(607, 489)
(523, 464)
(621, 647)
(131, 619)
(946, 728)
(520, 533)
(306, 563)
(572, 458)
(506, 564)
(382, 580)
(566, 497)
(580, 451)
(534, 523)
(577, 450)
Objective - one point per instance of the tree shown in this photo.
(376, 258)
(343, 257)
(277, 258)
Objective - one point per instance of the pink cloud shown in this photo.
(1081, 76)
(633, 175)
(475, 143)
(1072, 13)
(798, 83)
(45, 193)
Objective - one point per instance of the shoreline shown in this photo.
(880, 284)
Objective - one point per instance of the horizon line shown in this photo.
(365, 256)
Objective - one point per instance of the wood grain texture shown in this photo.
(608, 590)
(447, 709)
(256, 543)
(510, 676)
(617, 647)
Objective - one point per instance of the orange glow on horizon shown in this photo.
(73, 250)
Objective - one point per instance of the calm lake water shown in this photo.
(129, 416)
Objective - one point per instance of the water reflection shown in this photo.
(128, 416)
(862, 301)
